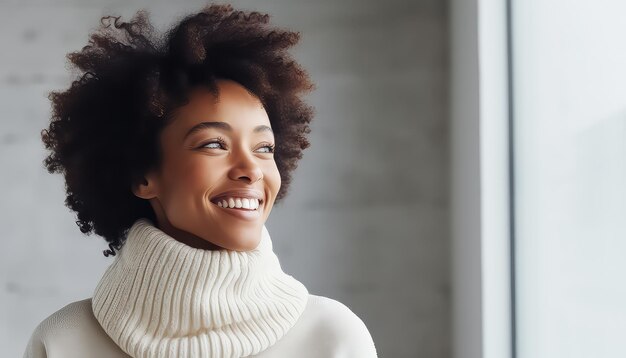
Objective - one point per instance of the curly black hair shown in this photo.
(104, 130)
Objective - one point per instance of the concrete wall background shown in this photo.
(366, 222)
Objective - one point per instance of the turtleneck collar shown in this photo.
(163, 298)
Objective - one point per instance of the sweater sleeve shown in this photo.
(350, 335)
(35, 347)
(356, 338)
(51, 331)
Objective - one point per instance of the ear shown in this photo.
(146, 189)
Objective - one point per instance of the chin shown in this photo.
(242, 241)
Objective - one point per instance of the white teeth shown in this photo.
(245, 203)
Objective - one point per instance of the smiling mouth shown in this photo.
(240, 204)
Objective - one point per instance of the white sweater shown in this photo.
(162, 298)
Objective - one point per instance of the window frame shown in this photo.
(482, 188)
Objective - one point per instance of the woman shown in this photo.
(174, 149)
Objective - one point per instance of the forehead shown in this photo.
(235, 105)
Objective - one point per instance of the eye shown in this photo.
(270, 148)
(220, 141)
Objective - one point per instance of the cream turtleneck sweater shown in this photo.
(163, 298)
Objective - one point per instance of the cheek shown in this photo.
(191, 177)
(273, 178)
(187, 186)
(200, 175)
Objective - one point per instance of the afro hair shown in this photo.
(104, 129)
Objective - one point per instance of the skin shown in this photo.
(195, 170)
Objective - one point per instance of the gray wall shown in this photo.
(366, 222)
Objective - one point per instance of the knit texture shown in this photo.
(163, 298)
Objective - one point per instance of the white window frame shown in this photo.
(483, 320)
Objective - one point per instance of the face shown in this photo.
(216, 152)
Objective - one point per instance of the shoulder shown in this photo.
(338, 323)
(67, 317)
(74, 325)
(73, 316)
(54, 325)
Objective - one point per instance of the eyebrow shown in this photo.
(223, 126)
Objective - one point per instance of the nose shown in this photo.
(245, 167)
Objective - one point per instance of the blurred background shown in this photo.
(464, 189)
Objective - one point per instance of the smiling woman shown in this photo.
(205, 160)
(208, 125)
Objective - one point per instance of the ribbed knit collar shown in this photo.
(163, 298)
